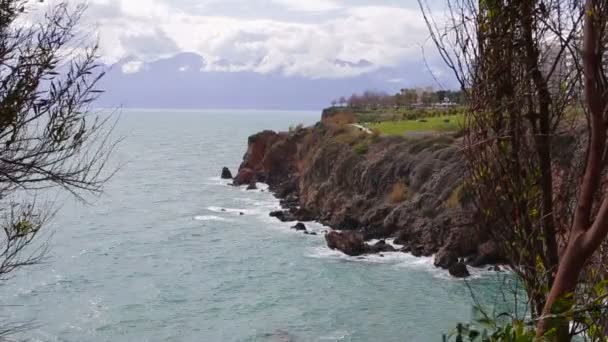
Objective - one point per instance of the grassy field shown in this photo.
(434, 124)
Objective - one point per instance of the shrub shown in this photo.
(349, 136)
(361, 148)
(398, 193)
(340, 118)
(455, 198)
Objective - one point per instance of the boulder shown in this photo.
(406, 249)
(417, 250)
(380, 247)
(402, 238)
(290, 202)
(283, 216)
(252, 186)
(445, 258)
(299, 227)
(349, 243)
(459, 270)
(226, 174)
(495, 268)
(487, 254)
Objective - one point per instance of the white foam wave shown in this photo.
(261, 187)
(209, 218)
(323, 252)
(231, 210)
(217, 181)
(398, 259)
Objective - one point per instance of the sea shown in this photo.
(170, 252)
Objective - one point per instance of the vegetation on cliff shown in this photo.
(372, 187)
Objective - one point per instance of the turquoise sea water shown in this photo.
(156, 259)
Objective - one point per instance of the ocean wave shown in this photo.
(217, 181)
(231, 210)
(210, 218)
(261, 187)
(398, 259)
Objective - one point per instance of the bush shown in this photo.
(516, 331)
(340, 118)
(398, 193)
(361, 148)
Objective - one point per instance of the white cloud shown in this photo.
(309, 5)
(150, 29)
(132, 67)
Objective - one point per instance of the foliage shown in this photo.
(515, 331)
(405, 98)
(339, 117)
(437, 124)
(362, 147)
(49, 136)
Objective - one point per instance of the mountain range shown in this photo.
(182, 82)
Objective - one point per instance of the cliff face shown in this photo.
(379, 187)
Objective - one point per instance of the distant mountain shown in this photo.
(178, 82)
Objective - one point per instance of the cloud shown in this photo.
(309, 5)
(147, 30)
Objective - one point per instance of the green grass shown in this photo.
(435, 124)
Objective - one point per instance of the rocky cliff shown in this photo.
(370, 187)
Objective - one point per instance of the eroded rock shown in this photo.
(349, 243)
(459, 270)
(226, 174)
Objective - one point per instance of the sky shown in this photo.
(304, 38)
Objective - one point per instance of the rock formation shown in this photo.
(226, 174)
(370, 187)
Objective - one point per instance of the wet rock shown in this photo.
(417, 250)
(252, 186)
(406, 249)
(487, 254)
(283, 216)
(310, 233)
(445, 258)
(349, 243)
(402, 239)
(304, 215)
(226, 174)
(380, 246)
(299, 226)
(290, 202)
(459, 270)
(241, 213)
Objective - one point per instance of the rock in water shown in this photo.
(349, 243)
(252, 186)
(299, 226)
(380, 247)
(487, 254)
(459, 270)
(226, 174)
(445, 258)
(283, 216)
